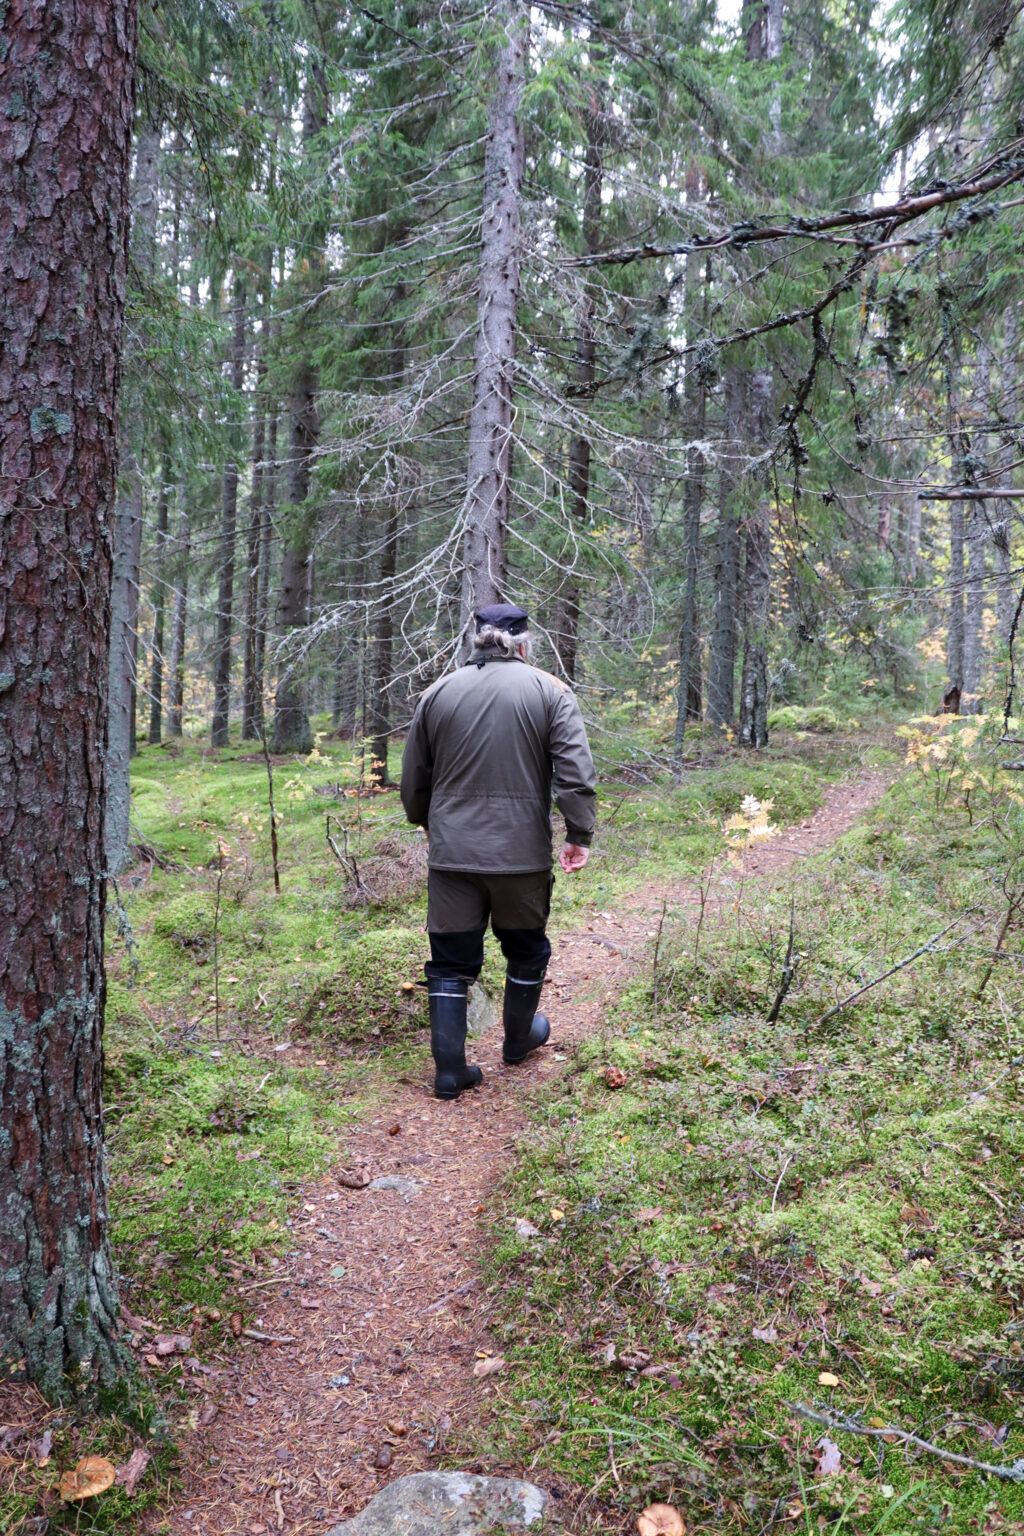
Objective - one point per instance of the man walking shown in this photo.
(487, 747)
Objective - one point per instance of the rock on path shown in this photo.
(454, 1503)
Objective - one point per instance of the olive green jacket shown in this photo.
(487, 747)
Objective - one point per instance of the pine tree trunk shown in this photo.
(128, 518)
(269, 491)
(722, 648)
(156, 675)
(179, 616)
(64, 172)
(228, 521)
(488, 481)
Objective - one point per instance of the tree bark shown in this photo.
(156, 671)
(64, 172)
(488, 480)
(228, 522)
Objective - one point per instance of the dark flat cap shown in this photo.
(502, 616)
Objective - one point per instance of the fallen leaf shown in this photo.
(827, 1379)
(556, 1214)
(207, 1414)
(127, 1477)
(661, 1520)
(829, 1457)
(765, 1335)
(649, 1213)
(354, 1178)
(310, 1306)
(397, 1427)
(94, 1474)
(871, 1286)
(408, 986)
(614, 1077)
(489, 1367)
(394, 1130)
(383, 1459)
(336, 1271)
(526, 1228)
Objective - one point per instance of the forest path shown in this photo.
(383, 1306)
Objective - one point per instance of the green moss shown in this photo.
(850, 1191)
(799, 717)
(372, 998)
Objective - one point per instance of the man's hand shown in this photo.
(573, 857)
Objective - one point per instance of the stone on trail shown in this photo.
(483, 1014)
(448, 1504)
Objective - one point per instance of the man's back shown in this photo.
(487, 746)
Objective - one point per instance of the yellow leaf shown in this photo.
(557, 1215)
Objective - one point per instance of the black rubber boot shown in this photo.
(525, 1028)
(448, 1008)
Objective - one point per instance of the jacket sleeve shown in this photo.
(417, 769)
(574, 778)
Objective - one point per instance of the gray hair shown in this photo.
(509, 645)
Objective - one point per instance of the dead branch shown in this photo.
(900, 966)
(1014, 1473)
(848, 218)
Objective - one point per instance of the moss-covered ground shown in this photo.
(820, 1213)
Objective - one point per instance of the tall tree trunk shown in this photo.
(975, 542)
(128, 517)
(490, 419)
(757, 575)
(179, 616)
(722, 649)
(156, 673)
(252, 683)
(292, 731)
(957, 563)
(124, 607)
(266, 556)
(381, 649)
(64, 170)
(1006, 514)
(689, 696)
(586, 353)
(228, 520)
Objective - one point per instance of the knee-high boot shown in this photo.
(525, 1028)
(448, 1010)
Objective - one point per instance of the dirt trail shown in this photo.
(384, 1302)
